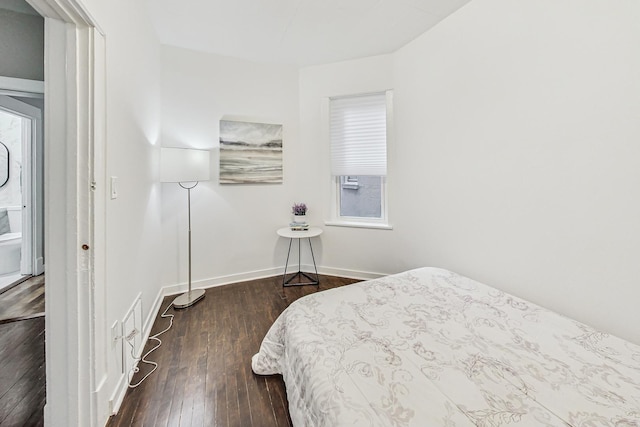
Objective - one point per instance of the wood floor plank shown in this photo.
(158, 380)
(204, 376)
(178, 396)
(24, 299)
(210, 399)
(25, 357)
(199, 377)
(230, 360)
(164, 407)
(189, 410)
(22, 376)
(220, 369)
(23, 412)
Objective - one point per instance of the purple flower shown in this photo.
(299, 209)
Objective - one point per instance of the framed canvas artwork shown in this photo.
(250, 153)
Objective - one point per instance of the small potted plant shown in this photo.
(299, 211)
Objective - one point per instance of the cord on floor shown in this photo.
(154, 337)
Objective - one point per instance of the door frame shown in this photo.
(76, 377)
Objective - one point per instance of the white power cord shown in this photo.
(129, 338)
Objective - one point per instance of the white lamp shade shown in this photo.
(184, 165)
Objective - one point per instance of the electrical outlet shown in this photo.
(131, 327)
(131, 335)
(129, 345)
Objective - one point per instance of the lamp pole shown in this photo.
(186, 167)
(192, 296)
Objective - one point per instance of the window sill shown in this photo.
(354, 224)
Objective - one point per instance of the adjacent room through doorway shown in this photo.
(21, 240)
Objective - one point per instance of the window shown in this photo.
(361, 196)
(358, 132)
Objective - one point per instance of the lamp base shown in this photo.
(188, 298)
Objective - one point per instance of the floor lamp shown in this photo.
(186, 167)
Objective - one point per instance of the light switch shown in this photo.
(114, 187)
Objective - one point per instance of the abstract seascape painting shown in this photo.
(250, 153)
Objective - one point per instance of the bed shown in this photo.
(429, 347)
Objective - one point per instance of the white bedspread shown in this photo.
(429, 347)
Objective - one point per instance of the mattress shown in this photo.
(429, 347)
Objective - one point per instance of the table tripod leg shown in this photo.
(299, 258)
(286, 264)
(314, 262)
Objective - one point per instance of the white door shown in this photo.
(32, 182)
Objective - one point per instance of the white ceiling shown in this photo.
(302, 32)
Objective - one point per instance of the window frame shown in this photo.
(362, 222)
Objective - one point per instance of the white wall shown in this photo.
(233, 226)
(516, 160)
(523, 121)
(21, 45)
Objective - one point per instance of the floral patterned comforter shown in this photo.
(429, 347)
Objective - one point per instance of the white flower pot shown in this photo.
(300, 219)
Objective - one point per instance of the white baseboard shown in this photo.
(352, 274)
(261, 274)
(151, 316)
(118, 394)
(100, 399)
(121, 387)
(222, 280)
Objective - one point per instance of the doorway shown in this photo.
(21, 188)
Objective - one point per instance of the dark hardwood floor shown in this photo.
(23, 301)
(204, 376)
(22, 354)
(22, 376)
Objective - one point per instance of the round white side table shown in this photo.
(290, 234)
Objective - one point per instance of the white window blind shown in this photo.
(359, 135)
